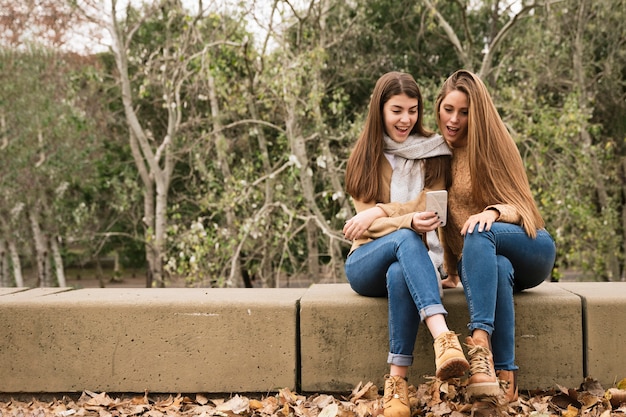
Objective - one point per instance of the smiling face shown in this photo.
(400, 115)
(453, 116)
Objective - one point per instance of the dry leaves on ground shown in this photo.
(434, 398)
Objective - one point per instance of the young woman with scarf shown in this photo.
(397, 159)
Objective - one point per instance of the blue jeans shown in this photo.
(494, 265)
(397, 266)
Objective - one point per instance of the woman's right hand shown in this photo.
(425, 221)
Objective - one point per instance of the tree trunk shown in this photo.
(148, 218)
(147, 162)
(4, 264)
(221, 145)
(100, 273)
(16, 263)
(623, 275)
(298, 149)
(313, 255)
(117, 267)
(265, 270)
(41, 252)
(148, 208)
(160, 221)
(58, 262)
(13, 256)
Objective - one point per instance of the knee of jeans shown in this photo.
(411, 239)
(396, 285)
(476, 236)
(406, 234)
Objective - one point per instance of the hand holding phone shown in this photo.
(437, 201)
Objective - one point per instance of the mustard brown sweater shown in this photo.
(460, 208)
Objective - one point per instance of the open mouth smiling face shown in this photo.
(400, 116)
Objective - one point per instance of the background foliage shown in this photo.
(206, 146)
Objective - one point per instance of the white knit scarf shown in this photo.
(407, 179)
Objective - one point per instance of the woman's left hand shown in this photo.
(425, 221)
(357, 225)
(484, 220)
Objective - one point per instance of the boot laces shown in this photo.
(393, 388)
(480, 362)
(445, 342)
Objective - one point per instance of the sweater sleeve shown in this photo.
(385, 225)
(508, 213)
(398, 215)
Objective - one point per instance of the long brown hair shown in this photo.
(363, 169)
(496, 167)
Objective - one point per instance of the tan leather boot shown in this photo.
(482, 381)
(509, 378)
(449, 358)
(486, 408)
(396, 397)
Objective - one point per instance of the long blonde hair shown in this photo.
(496, 167)
(363, 175)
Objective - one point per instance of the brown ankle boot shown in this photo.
(486, 408)
(396, 397)
(510, 384)
(482, 381)
(449, 358)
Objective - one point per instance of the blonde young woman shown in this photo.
(495, 239)
(396, 159)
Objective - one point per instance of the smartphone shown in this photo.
(437, 201)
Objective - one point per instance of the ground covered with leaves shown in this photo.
(434, 398)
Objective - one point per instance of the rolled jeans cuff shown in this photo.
(432, 310)
(399, 360)
(480, 326)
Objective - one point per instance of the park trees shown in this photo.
(49, 143)
(278, 147)
(556, 97)
(238, 138)
(162, 54)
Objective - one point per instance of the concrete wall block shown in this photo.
(344, 338)
(549, 337)
(243, 340)
(605, 328)
(160, 340)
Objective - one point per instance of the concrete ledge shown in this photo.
(322, 339)
(160, 340)
(345, 340)
(604, 327)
